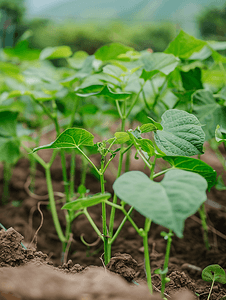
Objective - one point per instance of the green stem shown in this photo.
(153, 168)
(33, 164)
(211, 287)
(145, 101)
(74, 110)
(131, 221)
(119, 109)
(72, 174)
(146, 253)
(127, 162)
(166, 262)
(162, 172)
(92, 223)
(84, 170)
(36, 156)
(134, 101)
(121, 225)
(87, 158)
(112, 215)
(104, 216)
(53, 206)
(202, 213)
(145, 160)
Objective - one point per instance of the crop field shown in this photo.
(112, 175)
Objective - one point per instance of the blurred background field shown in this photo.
(87, 25)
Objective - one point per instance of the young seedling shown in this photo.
(214, 273)
(182, 190)
(168, 237)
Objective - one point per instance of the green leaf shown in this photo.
(192, 79)
(220, 186)
(168, 203)
(105, 91)
(147, 127)
(37, 95)
(70, 138)
(148, 75)
(162, 62)
(181, 135)
(111, 51)
(214, 273)
(203, 54)
(85, 202)
(193, 165)
(156, 124)
(90, 90)
(121, 138)
(219, 135)
(113, 71)
(55, 52)
(9, 150)
(209, 112)
(78, 59)
(184, 45)
(8, 121)
(147, 146)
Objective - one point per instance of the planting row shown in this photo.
(173, 96)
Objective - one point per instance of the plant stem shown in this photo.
(74, 110)
(202, 213)
(92, 224)
(121, 225)
(166, 262)
(134, 101)
(72, 174)
(146, 253)
(211, 287)
(127, 163)
(104, 216)
(53, 206)
(33, 164)
(84, 170)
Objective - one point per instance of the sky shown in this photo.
(37, 5)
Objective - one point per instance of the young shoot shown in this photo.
(214, 273)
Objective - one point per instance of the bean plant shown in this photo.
(168, 203)
(174, 97)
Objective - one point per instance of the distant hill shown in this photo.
(184, 13)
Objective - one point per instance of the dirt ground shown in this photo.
(38, 273)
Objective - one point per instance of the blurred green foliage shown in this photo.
(212, 23)
(81, 36)
(90, 37)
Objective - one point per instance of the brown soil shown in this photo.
(37, 273)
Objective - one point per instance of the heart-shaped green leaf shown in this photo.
(102, 91)
(184, 45)
(168, 203)
(162, 62)
(86, 202)
(55, 52)
(181, 135)
(111, 51)
(193, 165)
(214, 273)
(70, 138)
